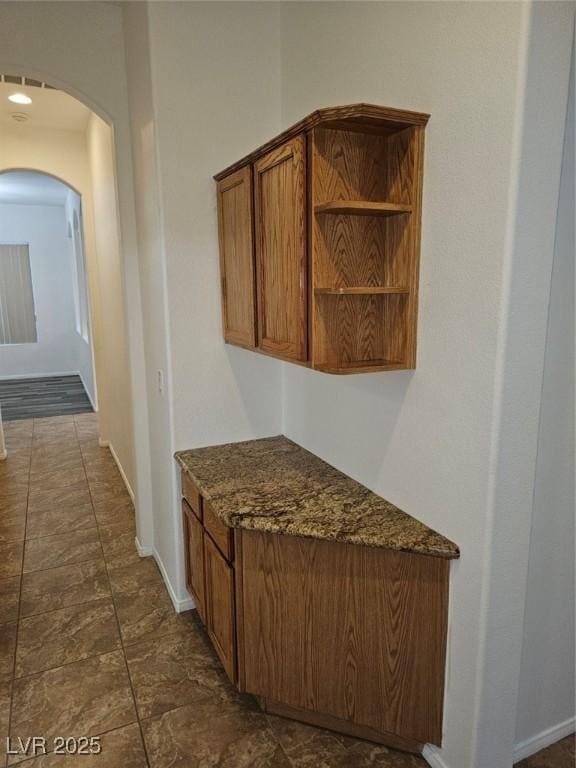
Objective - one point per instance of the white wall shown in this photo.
(431, 440)
(546, 698)
(182, 135)
(152, 272)
(84, 161)
(115, 384)
(63, 154)
(80, 344)
(43, 227)
(80, 48)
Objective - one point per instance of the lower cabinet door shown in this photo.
(194, 552)
(220, 609)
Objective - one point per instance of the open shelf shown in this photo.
(362, 366)
(362, 208)
(371, 290)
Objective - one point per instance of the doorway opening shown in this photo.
(46, 349)
(53, 138)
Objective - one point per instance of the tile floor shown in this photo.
(90, 644)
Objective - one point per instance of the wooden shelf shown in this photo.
(362, 208)
(362, 366)
(373, 290)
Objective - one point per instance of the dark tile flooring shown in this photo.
(559, 755)
(90, 644)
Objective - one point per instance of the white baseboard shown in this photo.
(544, 739)
(143, 551)
(88, 395)
(108, 444)
(432, 756)
(179, 605)
(521, 751)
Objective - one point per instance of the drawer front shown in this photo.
(192, 495)
(220, 533)
(194, 558)
(220, 606)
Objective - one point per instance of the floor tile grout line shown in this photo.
(132, 692)
(19, 607)
(66, 664)
(64, 607)
(61, 565)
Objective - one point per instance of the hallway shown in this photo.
(90, 644)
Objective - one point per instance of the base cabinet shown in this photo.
(355, 633)
(346, 637)
(220, 608)
(194, 558)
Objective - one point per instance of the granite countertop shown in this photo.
(274, 485)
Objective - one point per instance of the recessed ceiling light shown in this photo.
(19, 98)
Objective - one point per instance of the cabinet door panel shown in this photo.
(237, 257)
(281, 267)
(194, 554)
(220, 606)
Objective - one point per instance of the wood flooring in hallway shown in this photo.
(43, 396)
(90, 644)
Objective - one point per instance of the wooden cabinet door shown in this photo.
(281, 268)
(220, 607)
(235, 228)
(194, 558)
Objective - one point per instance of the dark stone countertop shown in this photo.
(274, 485)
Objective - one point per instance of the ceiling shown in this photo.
(31, 188)
(49, 109)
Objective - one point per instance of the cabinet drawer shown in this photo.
(192, 495)
(220, 606)
(222, 536)
(194, 558)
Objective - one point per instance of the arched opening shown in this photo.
(46, 345)
(68, 140)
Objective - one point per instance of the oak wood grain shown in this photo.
(194, 558)
(235, 228)
(347, 727)
(364, 118)
(336, 215)
(222, 536)
(361, 290)
(281, 259)
(192, 495)
(362, 208)
(220, 606)
(354, 633)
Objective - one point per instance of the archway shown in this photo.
(64, 139)
(92, 82)
(57, 368)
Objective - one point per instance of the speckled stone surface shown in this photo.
(274, 485)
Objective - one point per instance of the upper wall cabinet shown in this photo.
(320, 257)
(281, 265)
(237, 257)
